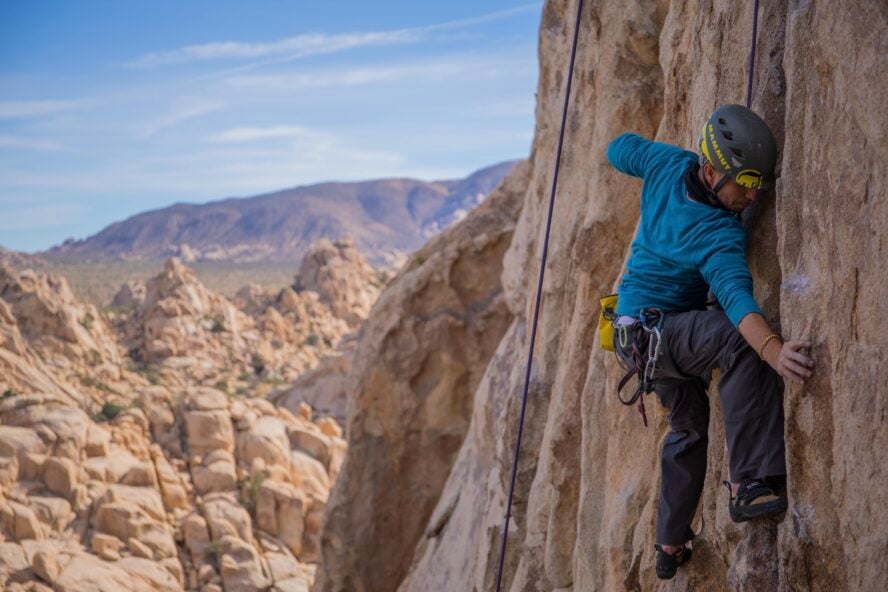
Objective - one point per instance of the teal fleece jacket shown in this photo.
(682, 247)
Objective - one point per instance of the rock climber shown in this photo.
(690, 241)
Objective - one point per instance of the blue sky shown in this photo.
(109, 108)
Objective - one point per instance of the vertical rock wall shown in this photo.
(588, 476)
(831, 220)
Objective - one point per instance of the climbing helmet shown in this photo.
(738, 143)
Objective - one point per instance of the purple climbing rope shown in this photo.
(755, 20)
(536, 308)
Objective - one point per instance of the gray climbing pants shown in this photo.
(751, 393)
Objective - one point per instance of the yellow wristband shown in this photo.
(765, 344)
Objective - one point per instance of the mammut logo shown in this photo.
(718, 152)
(749, 178)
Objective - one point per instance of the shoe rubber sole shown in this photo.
(667, 573)
(747, 513)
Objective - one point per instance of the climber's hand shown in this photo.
(792, 361)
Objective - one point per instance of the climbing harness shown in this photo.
(536, 308)
(645, 336)
(646, 339)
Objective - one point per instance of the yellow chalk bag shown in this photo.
(606, 317)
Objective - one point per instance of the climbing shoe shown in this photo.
(667, 563)
(754, 499)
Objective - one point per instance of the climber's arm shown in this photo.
(786, 358)
(722, 263)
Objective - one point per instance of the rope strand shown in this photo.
(536, 308)
(755, 12)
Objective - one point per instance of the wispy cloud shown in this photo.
(310, 148)
(352, 77)
(20, 143)
(251, 134)
(430, 70)
(189, 109)
(14, 109)
(308, 44)
(297, 47)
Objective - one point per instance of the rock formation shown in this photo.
(198, 492)
(68, 343)
(129, 297)
(326, 388)
(272, 338)
(420, 357)
(122, 469)
(341, 277)
(587, 485)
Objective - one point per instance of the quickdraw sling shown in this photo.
(646, 340)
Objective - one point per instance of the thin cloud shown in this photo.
(309, 44)
(251, 134)
(184, 112)
(431, 70)
(315, 148)
(298, 47)
(20, 143)
(15, 109)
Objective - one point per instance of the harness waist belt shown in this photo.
(624, 321)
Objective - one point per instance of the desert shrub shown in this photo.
(258, 363)
(213, 552)
(87, 321)
(249, 490)
(110, 411)
(218, 325)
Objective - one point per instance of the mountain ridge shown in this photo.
(387, 218)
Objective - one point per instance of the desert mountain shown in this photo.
(386, 217)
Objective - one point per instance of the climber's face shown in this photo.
(731, 195)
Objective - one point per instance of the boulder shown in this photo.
(135, 512)
(265, 439)
(106, 546)
(209, 430)
(21, 522)
(55, 512)
(280, 512)
(226, 517)
(310, 476)
(197, 536)
(241, 566)
(215, 473)
(46, 566)
(312, 441)
(61, 476)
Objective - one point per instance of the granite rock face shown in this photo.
(587, 485)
